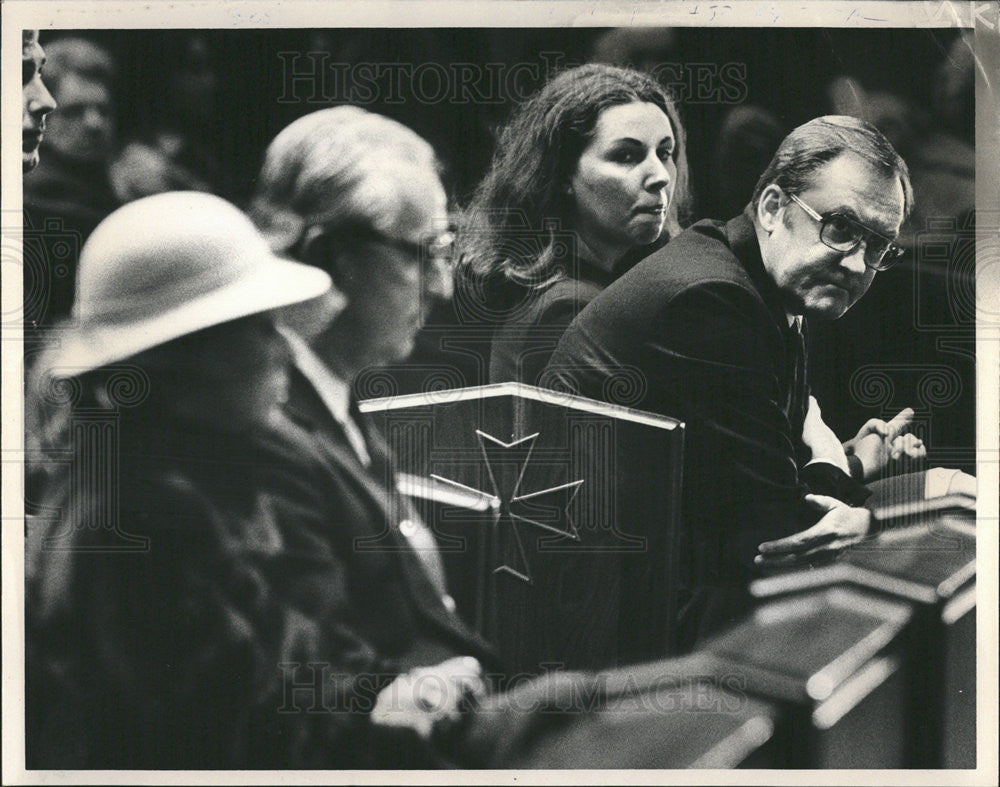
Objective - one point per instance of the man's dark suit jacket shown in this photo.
(397, 608)
(703, 324)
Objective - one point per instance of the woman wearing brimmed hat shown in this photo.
(157, 577)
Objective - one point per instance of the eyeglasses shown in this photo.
(437, 249)
(844, 233)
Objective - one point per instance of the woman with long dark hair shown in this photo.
(589, 177)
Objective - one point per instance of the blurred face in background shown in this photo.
(36, 101)
(392, 278)
(84, 127)
(624, 180)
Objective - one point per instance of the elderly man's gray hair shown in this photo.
(340, 166)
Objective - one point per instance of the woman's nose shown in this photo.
(657, 176)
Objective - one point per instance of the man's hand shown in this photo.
(880, 444)
(425, 696)
(841, 526)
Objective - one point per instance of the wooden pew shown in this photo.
(557, 534)
(580, 552)
(929, 564)
(688, 716)
(830, 660)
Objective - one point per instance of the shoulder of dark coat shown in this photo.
(697, 258)
(566, 295)
(701, 253)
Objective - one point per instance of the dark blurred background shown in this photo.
(195, 109)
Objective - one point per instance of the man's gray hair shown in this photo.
(338, 166)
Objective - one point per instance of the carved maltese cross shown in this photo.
(506, 464)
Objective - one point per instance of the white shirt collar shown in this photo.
(335, 393)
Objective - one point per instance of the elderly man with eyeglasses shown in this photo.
(358, 195)
(716, 322)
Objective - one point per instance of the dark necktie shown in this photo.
(795, 358)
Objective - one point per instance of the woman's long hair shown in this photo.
(510, 233)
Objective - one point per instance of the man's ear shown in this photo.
(322, 251)
(770, 207)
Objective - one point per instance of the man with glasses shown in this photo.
(715, 323)
(358, 195)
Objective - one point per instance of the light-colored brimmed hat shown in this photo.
(168, 265)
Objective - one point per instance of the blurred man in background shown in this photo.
(83, 74)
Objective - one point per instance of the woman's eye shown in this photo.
(625, 156)
(666, 154)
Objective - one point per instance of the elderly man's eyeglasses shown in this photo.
(437, 249)
(844, 233)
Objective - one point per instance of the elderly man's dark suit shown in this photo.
(397, 608)
(704, 324)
